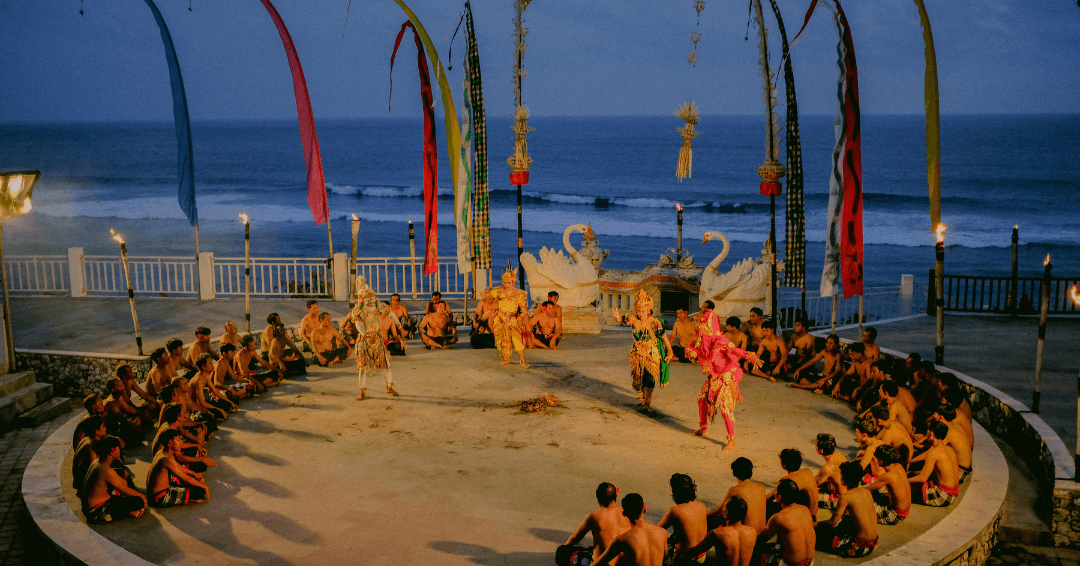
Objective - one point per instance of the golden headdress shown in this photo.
(510, 275)
(644, 300)
(363, 290)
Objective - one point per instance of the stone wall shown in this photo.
(979, 551)
(77, 374)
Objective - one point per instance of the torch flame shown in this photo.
(26, 207)
(939, 232)
(1074, 295)
(1016, 226)
(678, 207)
(243, 218)
(355, 218)
(1047, 260)
(119, 239)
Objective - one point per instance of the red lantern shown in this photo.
(771, 188)
(519, 177)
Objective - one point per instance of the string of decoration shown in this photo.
(688, 111)
(520, 161)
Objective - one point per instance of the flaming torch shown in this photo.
(247, 269)
(1011, 304)
(1074, 296)
(939, 292)
(131, 290)
(678, 249)
(352, 265)
(1044, 309)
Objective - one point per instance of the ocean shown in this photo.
(615, 173)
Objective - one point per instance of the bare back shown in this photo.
(608, 523)
(735, 545)
(688, 522)
(753, 493)
(642, 545)
(794, 528)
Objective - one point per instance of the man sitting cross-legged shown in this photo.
(105, 495)
(402, 314)
(84, 451)
(791, 461)
(734, 541)
(891, 490)
(309, 323)
(830, 485)
(683, 333)
(482, 335)
(773, 353)
(179, 391)
(289, 362)
(855, 376)
(752, 494)
(437, 330)
(392, 333)
(605, 524)
(240, 388)
(956, 440)
(170, 484)
(686, 519)
(121, 419)
(938, 483)
(890, 432)
(204, 396)
(803, 343)
(201, 346)
(247, 361)
(806, 377)
(328, 344)
(546, 327)
(270, 333)
(643, 544)
(853, 530)
(161, 374)
(192, 449)
(794, 528)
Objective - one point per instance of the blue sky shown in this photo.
(597, 57)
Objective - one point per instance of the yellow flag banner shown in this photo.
(933, 119)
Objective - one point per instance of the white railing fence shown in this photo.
(37, 274)
(405, 276)
(879, 303)
(272, 277)
(161, 276)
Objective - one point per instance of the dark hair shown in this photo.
(547, 304)
(826, 443)
(890, 388)
(872, 331)
(735, 510)
(955, 396)
(887, 454)
(158, 354)
(856, 347)
(834, 338)
(852, 474)
(111, 385)
(939, 429)
(769, 324)
(173, 344)
(867, 427)
(312, 302)
(683, 489)
(166, 436)
(949, 380)
(708, 305)
(436, 294)
(902, 455)
(392, 295)
(916, 358)
(202, 330)
(89, 400)
(271, 318)
(733, 321)
(105, 445)
(246, 339)
(742, 468)
(323, 315)
(791, 459)
(226, 348)
(120, 371)
(606, 493)
(803, 321)
(166, 392)
(279, 329)
(170, 412)
(787, 491)
(879, 365)
(927, 366)
(201, 359)
(758, 311)
(880, 412)
(90, 424)
(947, 412)
(633, 506)
(553, 294)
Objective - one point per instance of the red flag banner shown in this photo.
(851, 241)
(316, 184)
(431, 176)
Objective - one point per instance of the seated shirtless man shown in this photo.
(247, 361)
(803, 343)
(791, 461)
(84, 451)
(546, 327)
(938, 483)
(289, 362)
(793, 526)
(852, 532)
(231, 336)
(873, 352)
(328, 345)
(956, 440)
(733, 333)
(891, 490)
(392, 334)
(482, 335)
(240, 388)
(683, 334)
(855, 376)
(899, 401)
(437, 329)
(751, 492)
(201, 346)
(828, 480)
(605, 524)
(402, 314)
(149, 408)
(773, 352)
(170, 484)
(175, 347)
(310, 322)
(643, 544)
(269, 333)
(806, 377)
(105, 495)
(753, 330)
(121, 418)
(161, 374)
(686, 519)
(734, 540)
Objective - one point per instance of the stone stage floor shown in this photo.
(450, 473)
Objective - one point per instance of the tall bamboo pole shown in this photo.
(130, 289)
(1044, 310)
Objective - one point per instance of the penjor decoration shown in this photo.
(688, 110)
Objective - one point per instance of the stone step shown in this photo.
(15, 381)
(46, 412)
(21, 401)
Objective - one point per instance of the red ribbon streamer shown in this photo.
(431, 175)
(316, 183)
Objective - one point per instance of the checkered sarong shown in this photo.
(795, 234)
(965, 473)
(934, 495)
(826, 499)
(886, 515)
(481, 226)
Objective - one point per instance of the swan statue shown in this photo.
(574, 277)
(743, 287)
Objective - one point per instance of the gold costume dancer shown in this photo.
(511, 318)
(651, 352)
(371, 353)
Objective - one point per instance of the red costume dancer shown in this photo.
(719, 360)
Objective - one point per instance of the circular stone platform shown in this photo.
(451, 473)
